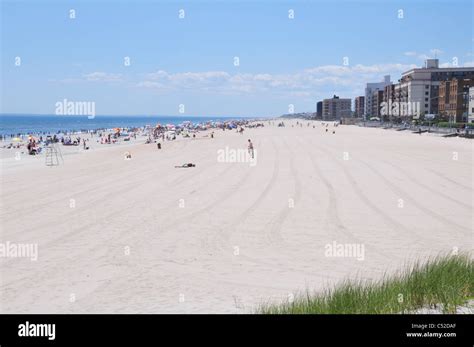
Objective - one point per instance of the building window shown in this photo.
(426, 105)
(426, 99)
(426, 93)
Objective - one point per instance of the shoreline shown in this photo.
(19, 142)
(197, 121)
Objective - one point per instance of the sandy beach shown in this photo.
(141, 236)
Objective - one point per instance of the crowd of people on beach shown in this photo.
(34, 143)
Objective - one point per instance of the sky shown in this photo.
(224, 58)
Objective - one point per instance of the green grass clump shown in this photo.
(444, 282)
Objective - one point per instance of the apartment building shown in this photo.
(336, 108)
(454, 99)
(369, 90)
(421, 85)
(359, 106)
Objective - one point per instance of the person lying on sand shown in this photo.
(186, 165)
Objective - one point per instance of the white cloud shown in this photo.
(151, 84)
(312, 82)
(90, 77)
(304, 83)
(102, 77)
(65, 80)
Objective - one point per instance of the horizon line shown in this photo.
(128, 115)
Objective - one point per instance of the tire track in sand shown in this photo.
(427, 187)
(273, 228)
(333, 220)
(389, 220)
(224, 233)
(55, 266)
(402, 193)
(112, 192)
(460, 185)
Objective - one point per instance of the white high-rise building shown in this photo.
(421, 85)
(470, 112)
(369, 92)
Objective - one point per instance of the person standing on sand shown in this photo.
(250, 147)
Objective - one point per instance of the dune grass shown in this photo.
(444, 282)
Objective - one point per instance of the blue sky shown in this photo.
(190, 61)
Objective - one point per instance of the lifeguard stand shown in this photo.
(52, 154)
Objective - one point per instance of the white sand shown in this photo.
(185, 259)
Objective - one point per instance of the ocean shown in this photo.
(29, 124)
